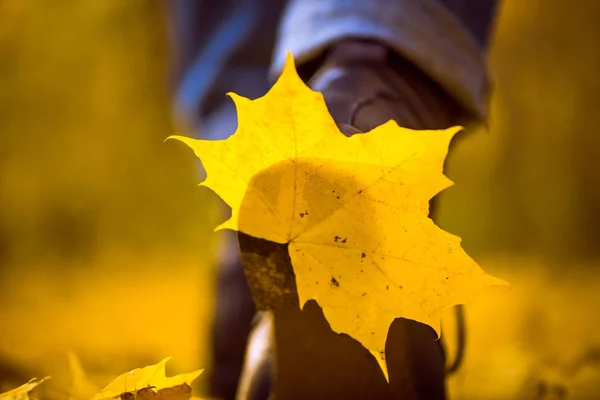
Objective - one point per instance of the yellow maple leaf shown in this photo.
(354, 210)
(151, 377)
(22, 392)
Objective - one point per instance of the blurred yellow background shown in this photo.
(106, 247)
(105, 239)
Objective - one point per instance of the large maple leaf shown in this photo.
(353, 210)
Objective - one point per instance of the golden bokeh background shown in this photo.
(106, 243)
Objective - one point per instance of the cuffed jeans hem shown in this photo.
(422, 31)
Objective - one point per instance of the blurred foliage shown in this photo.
(535, 189)
(105, 247)
(526, 203)
(104, 236)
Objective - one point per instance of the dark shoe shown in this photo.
(364, 85)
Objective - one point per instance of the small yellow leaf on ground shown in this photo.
(22, 392)
(354, 210)
(148, 382)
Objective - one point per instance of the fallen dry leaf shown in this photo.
(150, 382)
(22, 392)
(354, 211)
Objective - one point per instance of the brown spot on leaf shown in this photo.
(334, 282)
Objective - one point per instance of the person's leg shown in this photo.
(223, 46)
(235, 53)
(421, 63)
